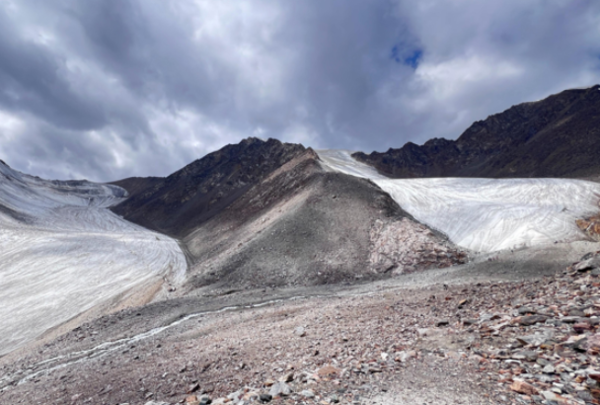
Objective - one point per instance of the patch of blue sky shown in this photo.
(413, 59)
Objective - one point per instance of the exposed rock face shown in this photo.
(555, 137)
(591, 226)
(178, 203)
(407, 246)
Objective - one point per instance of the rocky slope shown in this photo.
(180, 202)
(303, 226)
(555, 137)
(267, 214)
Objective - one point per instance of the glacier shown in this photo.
(63, 252)
(486, 215)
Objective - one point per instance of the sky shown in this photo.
(108, 89)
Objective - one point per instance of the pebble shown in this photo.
(264, 398)
(280, 389)
(300, 331)
(307, 393)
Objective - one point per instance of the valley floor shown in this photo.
(447, 336)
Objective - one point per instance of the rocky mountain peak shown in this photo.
(527, 140)
(204, 187)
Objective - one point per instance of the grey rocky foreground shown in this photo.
(381, 340)
(539, 339)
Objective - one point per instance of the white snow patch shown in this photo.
(62, 252)
(486, 215)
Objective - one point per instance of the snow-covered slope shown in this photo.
(63, 252)
(486, 215)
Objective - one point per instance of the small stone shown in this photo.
(572, 319)
(205, 400)
(525, 311)
(234, 396)
(374, 368)
(192, 400)
(551, 396)
(264, 398)
(587, 264)
(548, 369)
(329, 371)
(300, 331)
(442, 322)
(402, 356)
(593, 344)
(532, 320)
(585, 395)
(528, 355)
(287, 377)
(333, 399)
(547, 345)
(307, 394)
(193, 388)
(577, 313)
(423, 331)
(542, 362)
(280, 389)
(523, 388)
(581, 327)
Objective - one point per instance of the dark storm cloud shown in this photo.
(106, 89)
(31, 79)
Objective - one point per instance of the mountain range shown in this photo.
(107, 287)
(558, 136)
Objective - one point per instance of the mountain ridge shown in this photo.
(172, 204)
(558, 136)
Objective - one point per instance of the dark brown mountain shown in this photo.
(137, 185)
(180, 202)
(555, 137)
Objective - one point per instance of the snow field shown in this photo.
(486, 215)
(62, 252)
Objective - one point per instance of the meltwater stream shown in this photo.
(60, 362)
(486, 215)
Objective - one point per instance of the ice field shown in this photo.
(486, 215)
(63, 252)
